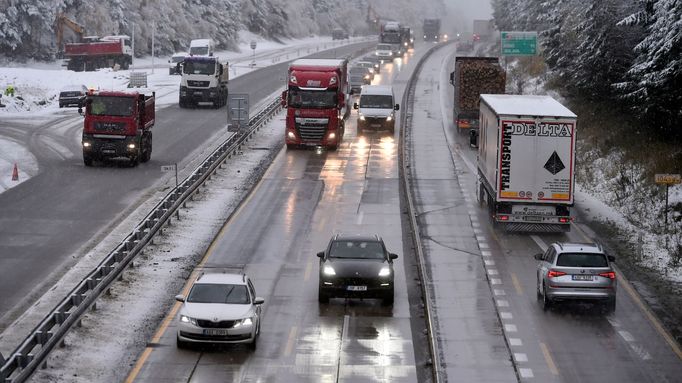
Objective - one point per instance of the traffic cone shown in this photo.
(15, 173)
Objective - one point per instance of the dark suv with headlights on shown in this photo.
(356, 266)
(576, 271)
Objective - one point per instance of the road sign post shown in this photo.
(238, 109)
(519, 43)
(170, 168)
(667, 180)
(253, 47)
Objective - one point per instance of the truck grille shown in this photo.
(102, 126)
(197, 84)
(311, 132)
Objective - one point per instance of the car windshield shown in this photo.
(111, 106)
(582, 260)
(391, 38)
(357, 250)
(178, 59)
(358, 71)
(384, 47)
(198, 67)
(218, 293)
(312, 98)
(376, 101)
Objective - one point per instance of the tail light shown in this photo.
(503, 217)
(555, 273)
(564, 220)
(463, 123)
(609, 275)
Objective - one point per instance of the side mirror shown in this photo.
(180, 298)
(320, 254)
(283, 101)
(355, 105)
(393, 256)
(611, 258)
(452, 78)
(473, 138)
(396, 107)
(258, 301)
(538, 256)
(80, 110)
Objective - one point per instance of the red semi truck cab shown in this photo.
(316, 102)
(118, 124)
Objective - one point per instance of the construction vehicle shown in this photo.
(204, 79)
(316, 99)
(118, 124)
(94, 53)
(526, 162)
(62, 21)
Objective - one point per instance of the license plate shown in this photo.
(108, 151)
(376, 125)
(582, 277)
(532, 218)
(357, 288)
(215, 332)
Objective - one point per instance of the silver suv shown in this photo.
(220, 308)
(576, 271)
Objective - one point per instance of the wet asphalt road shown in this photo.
(484, 279)
(48, 221)
(304, 198)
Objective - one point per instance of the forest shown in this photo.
(624, 54)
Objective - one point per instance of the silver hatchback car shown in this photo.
(576, 271)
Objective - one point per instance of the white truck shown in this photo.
(526, 162)
(201, 47)
(204, 79)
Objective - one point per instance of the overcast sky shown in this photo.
(462, 12)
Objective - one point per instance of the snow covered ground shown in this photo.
(37, 87)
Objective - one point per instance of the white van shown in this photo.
(201, 47)
(376, 108)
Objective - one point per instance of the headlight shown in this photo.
(332, 136)
(389, 118)
(384, 272)
(366, 76)
(243, 322)
(131, 146)
(186, 319)
(362, 117)
(328, 270)
(291, 135)
(87, 144)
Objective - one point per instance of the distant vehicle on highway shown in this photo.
(356, 266)
(376, 108)
(357, 77)
(175, 63)
(339, 34)
(384, 52)
(220, 308)
(369, 65)
(374, 60)
(576, 271)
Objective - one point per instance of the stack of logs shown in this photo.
(475, 76)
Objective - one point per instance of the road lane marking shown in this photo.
(360, 217)
(638, 301)
(626, 335)
(548, 359)
(526, 372)
(499, 292)
(515, 342)
(506, 315)
(517, 284)
(174, 310)
(308, 271)
(541, 244)
(292, 339)
(510, 328)
(520, 357)
(495, 281)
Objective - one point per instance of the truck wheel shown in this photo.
(147, 151)
(87, 160)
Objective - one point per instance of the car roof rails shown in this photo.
(228, 268)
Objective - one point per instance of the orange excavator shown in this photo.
(62, 21)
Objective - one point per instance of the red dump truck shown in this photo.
(316, 102)
(97, 53)
(118, 125)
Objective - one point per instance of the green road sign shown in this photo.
(519, 43)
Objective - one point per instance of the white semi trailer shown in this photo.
(526, 162)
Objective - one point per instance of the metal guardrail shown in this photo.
(34, 350)
(437, 372)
